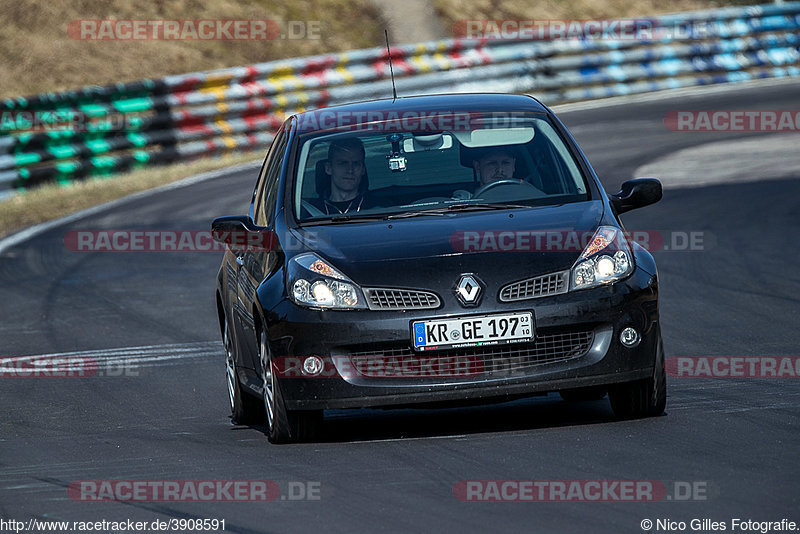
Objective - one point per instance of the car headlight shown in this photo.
(314, 282)
(606, 259)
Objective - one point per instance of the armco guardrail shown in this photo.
(105, 130)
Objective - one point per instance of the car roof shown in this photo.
(444, 103)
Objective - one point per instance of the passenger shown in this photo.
(345, 191)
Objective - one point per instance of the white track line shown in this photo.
(145, 356)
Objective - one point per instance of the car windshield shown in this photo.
(456, 162)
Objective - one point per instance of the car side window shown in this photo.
(265, 204)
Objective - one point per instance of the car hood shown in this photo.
(428, 252)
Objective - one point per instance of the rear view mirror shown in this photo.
(636, 193)
(426, 143)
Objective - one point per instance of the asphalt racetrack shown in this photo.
(157, 407)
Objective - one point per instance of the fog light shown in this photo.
(312, 365)
(629, 337)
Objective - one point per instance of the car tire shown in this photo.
(283, 426)
(642, 398)
(245, 408)
(584, 394)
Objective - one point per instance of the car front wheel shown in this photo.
(283, 426)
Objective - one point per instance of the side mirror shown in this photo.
(239, 233)
(636, 193)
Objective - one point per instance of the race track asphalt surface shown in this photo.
(164, 415)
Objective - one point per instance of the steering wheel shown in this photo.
(491, 185)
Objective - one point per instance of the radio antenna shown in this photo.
(391, 71)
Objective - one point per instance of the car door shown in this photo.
(254, 262)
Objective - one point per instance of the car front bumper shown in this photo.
(577, 345)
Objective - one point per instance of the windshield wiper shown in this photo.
(464, 206)
(358, 217)
(442, 210)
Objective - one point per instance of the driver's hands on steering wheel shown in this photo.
(461, 194)
(491, 185)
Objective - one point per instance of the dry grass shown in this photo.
(36, 54)
(451, 11)
(52, 201)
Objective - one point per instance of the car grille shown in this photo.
(540, 286)
(511, 360)
(401, 299)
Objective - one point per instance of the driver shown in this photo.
(495, 165)
(491, 165)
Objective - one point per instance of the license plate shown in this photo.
(460, 332)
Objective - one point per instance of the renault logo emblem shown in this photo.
(468, 290)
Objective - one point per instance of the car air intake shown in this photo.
(511, 360)
(401, 299)
(540, 286)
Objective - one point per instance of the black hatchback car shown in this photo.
(434, 249)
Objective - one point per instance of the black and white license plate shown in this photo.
(459, 332)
